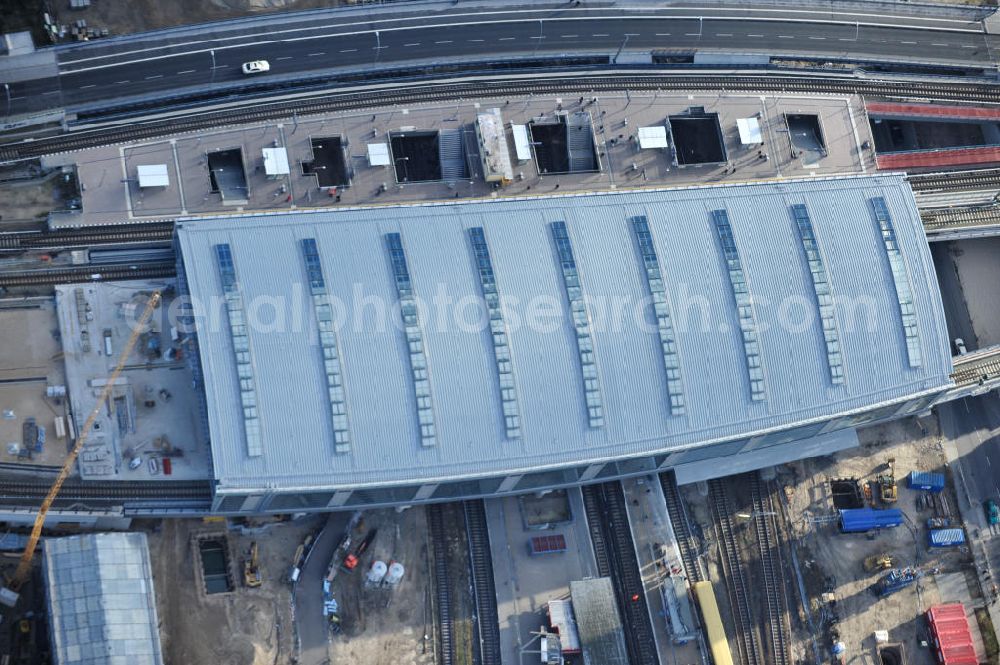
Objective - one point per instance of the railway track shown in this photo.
(960, 218)
(584, 82)
(975, 369)
(18, 489)
(607, 519)
(77, 274)
(445, 639)
(117, 235)
(956, 180)
(686, 542)
(770, 559)
(732, 569)
(483, 584)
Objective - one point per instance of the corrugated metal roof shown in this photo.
(101, 600)
(467, 405)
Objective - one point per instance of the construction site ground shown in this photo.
(30, 360)
(25, 204)
(387, 626)
(246, 626)
(829, 561)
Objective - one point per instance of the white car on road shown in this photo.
(256, 67)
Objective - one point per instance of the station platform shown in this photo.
(922, 159)
(524, 582)
(667, 595)
(934, 111)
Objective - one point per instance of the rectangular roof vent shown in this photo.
(498, 333)
(661, 308)
(744, 304)
(414, 340)
(241, 347)
(824, 296)
(332, 360)
(900, 278)
(581, 324)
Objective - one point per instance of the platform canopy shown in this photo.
(153, 175)
(378, 154)
(723, 320)
(653, 137)
(276, 161)
(749, 131)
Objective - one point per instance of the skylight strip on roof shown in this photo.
(498, 333)
(581, 323)
(901, 280)
(661, 308)
(824, 296)
(744, 304)
(414, 340)
(241, 347)
(332, 361)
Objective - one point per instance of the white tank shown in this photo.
(395, 573)
(376, 573)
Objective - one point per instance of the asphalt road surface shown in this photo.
(156, 63)
(312, 625)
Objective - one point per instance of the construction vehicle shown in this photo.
(895, 580)
(299, 559)
(351, 560)
(338, 557)
(879, 562)
(251, 568)
(23, 571)
(887, 482)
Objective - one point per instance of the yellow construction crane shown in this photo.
(24, 567)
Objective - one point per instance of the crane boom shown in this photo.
(24, 566)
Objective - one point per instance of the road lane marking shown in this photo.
(121, 82)
(349, 50)
(569, 36)
(476, 40)
(600, 34)
(284, 57)
(445, 41)
(723, 34)
(154, 76)
(988, 462)
(536, 37)
(663, 34)
(220, 67)
(967, 46)
(911, 43)
(785, 37)
(507, 39)
(632, 34)
(410, 44)
(846, 39)
(313, 55)
(84, 87)
(818, 38)
(692, 34)
(51, 92)
(938, 44)
(192, 71)
(755, 35)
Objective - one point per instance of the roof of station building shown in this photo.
(703, 324)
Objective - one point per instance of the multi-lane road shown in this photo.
(309, 43)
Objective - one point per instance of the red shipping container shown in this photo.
(166, 466)
(951, 635)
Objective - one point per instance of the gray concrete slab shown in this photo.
(526, 583)
(109, 198)
(153, 401)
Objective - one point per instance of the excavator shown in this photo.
(251, 568)
(9, 595)
(887, 482)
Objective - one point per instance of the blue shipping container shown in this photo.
(946, 537)
(858, 520)
(925, 480)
